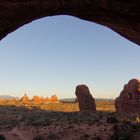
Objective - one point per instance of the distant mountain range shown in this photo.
(71, 100)
(67, 100)
(8, 97)
(104, 99)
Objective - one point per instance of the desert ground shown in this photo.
(63, 121)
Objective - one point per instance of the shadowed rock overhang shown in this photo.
(122, 16)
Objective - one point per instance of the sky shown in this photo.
(52, 55)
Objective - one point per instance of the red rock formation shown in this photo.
(46, 100)
(54, 99)
(85, 99)
(128, 103)
(37, 100)
(25, 99)
(122, 16)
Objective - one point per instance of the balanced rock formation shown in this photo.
(128, 103)
(85, 99)
(122, 16)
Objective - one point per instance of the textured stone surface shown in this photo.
(122, 16)
(128, 103)
(85, 99)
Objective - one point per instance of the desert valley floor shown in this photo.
(63, 121)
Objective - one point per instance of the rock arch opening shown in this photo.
(130, 96)
(121, 16)
(83, 54)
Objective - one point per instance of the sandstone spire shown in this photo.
(85, 99)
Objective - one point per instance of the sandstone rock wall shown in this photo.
(128, 102)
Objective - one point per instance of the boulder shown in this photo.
(85, 99)
(128, 102)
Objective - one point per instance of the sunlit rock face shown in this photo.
(46, 100)
(54, 99)
(37, 100)
(25, 99)
(128, 102)
(40, 100)
(85, 99)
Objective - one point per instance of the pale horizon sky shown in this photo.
(54, 54)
